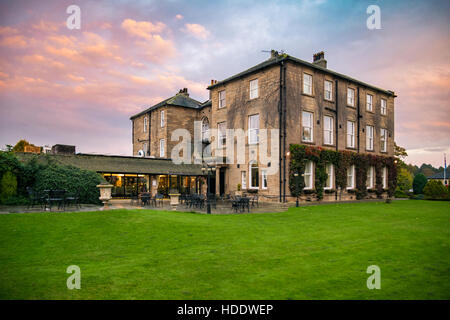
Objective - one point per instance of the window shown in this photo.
(350, 134)
(145, 124)
(161, 148)
(369, 138)
(253, 129)
(307, 83)
(222, 101)
(308, 175)
(264, 179)
(145, 148)
(351, 97)
(369, 100)
(244, 179)
(222, 134)
(329, 168)
(162, 119)
(383, 138)
(384, 178)
(254, 175)
(254, 89)
(205, 129)
(327, 130)
(351, 177)
(370, 178)
(328, 90)
(307, 124)
(383, 107)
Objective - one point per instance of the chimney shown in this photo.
(273, 53)
(184, 92)
(319, 59)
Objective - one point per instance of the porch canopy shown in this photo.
(119, 164)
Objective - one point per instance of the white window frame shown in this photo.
(205, 129)
(310, 116)
(351, 97)
(308, 175)
(253, 129)
(221, 135)
(383, 140)
(328, 90)
(254, 89)
(244, 179)
(250, 175)
(328, 134)
(383, 107)
(369, 137)
(370, 178)
(351, 173)
(350, 134)
(145, 123)
(264, 179)
(222, 99)
(330, 180)
(145, 148)
(162, 148)
(307, 83)
(163, 120)
(384, 177)
(369, 102)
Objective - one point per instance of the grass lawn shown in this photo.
(316, 252)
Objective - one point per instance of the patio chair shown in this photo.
(34, 198)
(58, 197)
(73, 199)
(254, 201)
(159, 198)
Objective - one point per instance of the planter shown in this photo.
(105, 194)
(174, 200)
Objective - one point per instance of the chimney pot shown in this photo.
(319, 59)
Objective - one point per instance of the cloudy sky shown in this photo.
(81, 86)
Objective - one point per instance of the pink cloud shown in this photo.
(142, 29)
(196, 30)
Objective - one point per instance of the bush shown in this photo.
(400, 194)
(404, 180)
(8, 186)
(435, 190)
(417, 197)
(72, 179)
(419, 182)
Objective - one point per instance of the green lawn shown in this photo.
(316, 252)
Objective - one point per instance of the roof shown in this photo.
(284, 57)
(206, 104)
(440, 175)
(179, 100)
(117, 164)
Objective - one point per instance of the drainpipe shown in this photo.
(149, 133)
(284, 131)
(280, 122)
(358, 123)
(336, 139)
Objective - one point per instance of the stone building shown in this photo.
(307, 102)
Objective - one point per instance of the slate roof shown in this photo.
(180, 100)
(440, 175)
(285, 57)
(118, 164)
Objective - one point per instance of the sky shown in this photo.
(80, 86)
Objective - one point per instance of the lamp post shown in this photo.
(209, 170)
(296, 188)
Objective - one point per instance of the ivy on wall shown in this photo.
(342, 160)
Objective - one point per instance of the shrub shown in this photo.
(404, 180)
(72, 179)
(435, 190)
(400, 194)
(8, 186)
(419, 182)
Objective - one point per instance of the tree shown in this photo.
(8, 186)
(404, 180)
(400, 152)
(419, 183)
(20, 145)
